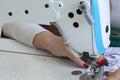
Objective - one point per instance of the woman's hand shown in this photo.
(101, 61)
(113, 75)
(55, 45)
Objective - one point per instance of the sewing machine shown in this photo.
(84, 24)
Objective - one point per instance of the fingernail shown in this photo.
(98, 63)
(103, 61)
(85, 65)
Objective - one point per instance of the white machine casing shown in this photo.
(78, 34)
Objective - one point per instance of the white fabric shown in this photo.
(22, 32)
(112, 54)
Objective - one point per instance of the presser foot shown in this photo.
(93, 72)
(86, 76)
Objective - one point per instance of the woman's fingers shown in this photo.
(76, 59)
(112, 76)
(101, 61)
(109, 74)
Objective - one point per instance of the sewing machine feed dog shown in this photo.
(93, 72)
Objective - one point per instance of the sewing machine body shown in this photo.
(79, 33)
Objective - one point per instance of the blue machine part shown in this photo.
(97, 26)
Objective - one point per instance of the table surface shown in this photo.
(20, 62)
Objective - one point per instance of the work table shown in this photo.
(20, 62)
